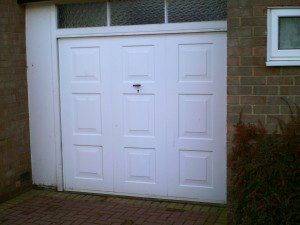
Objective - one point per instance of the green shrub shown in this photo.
(265, 174)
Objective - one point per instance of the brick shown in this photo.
(260, 31)
(265, 90)
(255, 100)
(239, 90)
(297, 80)
(253, 41)
(233, 100)
(238, 108)
(239, 32)
(252, 61)
(246, 12)
(13, 102)
(266, 71)
(259, 51)
(277, 100)
(266, 109)
(239, 71)
(285, 109)
(253, 21)
(233, 42)
(233, 12)
(291, 70)
(254, 118)
(235, 22)
(274, 118)
(239, 51)
(233, 61)
(233, 80)
(259, 10)
(253, 80)
(290, 90)
(249, 3)
(280, 80)
(268, 84)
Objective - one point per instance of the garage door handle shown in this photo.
(137, 85)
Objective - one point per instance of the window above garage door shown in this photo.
(137, 12)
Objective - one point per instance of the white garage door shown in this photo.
(145, 115)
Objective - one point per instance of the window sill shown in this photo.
(283, 63)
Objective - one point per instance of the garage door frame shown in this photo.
(55, 34)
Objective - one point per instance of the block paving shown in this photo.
(52, 207)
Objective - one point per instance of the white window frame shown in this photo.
(143, 29)
(276, 56)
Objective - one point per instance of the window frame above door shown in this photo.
(164, 28)
(191, 27)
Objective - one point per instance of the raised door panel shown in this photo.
(138, 63)
(194, 116)
(86, 63)
(89, 162)
(139, 115)
(194, 62)
(87, 113)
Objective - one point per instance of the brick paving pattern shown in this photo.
(51, 207)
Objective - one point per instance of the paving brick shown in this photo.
(44, 207)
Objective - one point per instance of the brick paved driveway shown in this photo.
(51, 207)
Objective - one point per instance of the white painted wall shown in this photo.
(41, 95)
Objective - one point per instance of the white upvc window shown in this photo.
(283, 43)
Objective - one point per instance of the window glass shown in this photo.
(196, 10)
(134, 12)
(82, 15)
(289, 32)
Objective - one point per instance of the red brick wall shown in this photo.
(14, 129)
(251, 85)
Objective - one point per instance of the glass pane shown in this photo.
(82, 15)
(289, 32)
(196, 10)
(133, 12)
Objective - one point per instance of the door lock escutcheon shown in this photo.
(137, 85)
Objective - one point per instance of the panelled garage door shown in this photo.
(145, 115)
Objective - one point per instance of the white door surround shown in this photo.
(42, 37)
(145, 115)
